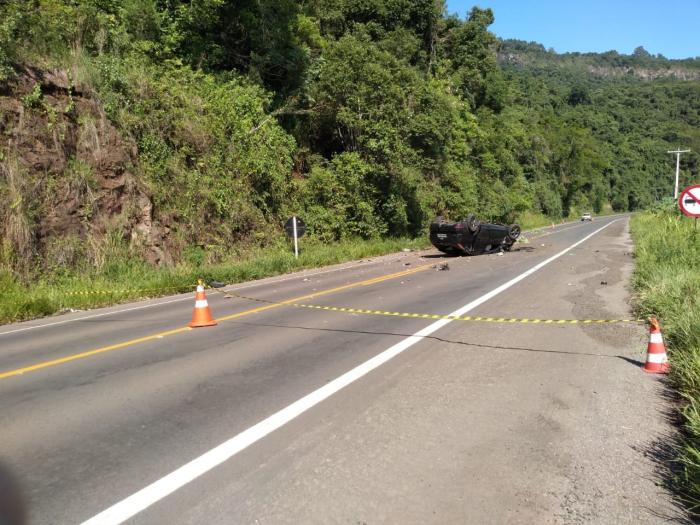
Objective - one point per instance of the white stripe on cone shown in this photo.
(655, 338)
(657, 358)
(201, 303)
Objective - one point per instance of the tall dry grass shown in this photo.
(16, 225)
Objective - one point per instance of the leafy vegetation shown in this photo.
(227, 99)
(366, 117)
(667, 281)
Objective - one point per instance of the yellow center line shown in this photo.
(160, 335)
(61, 360)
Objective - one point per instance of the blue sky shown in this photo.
(669, 27)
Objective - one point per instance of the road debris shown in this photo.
(68, 311)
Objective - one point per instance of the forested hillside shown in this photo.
(175, 130)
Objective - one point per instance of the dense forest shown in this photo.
(168, 126)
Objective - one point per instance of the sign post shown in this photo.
(295, 228)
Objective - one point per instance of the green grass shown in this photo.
(667, 284)
(531, 220)
(125, 280)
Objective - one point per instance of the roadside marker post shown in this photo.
(678, 168)
(295, 228)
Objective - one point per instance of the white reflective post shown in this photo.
(296, 243)
(678, 168)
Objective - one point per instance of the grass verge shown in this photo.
(667, 284)
(124, 280)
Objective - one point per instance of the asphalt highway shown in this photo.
(464, 422)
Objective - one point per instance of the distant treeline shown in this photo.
(640, 57)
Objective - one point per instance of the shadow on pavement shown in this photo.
(12, 507)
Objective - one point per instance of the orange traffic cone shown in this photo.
(657, 361)
(201, 315)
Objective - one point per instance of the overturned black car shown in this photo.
(471, 236)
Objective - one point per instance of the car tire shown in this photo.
(472, 223)
(513, 232)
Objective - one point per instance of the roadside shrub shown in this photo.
(341, 200)
(210, 137)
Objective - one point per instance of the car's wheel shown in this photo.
(513, 231)
(472, 223)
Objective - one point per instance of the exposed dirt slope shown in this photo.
(66, 175)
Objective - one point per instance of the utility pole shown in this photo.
(678, 167)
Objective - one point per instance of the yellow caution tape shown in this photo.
(363, 311)
(123, 291)
(438, 316)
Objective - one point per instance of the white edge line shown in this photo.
(144, 498)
